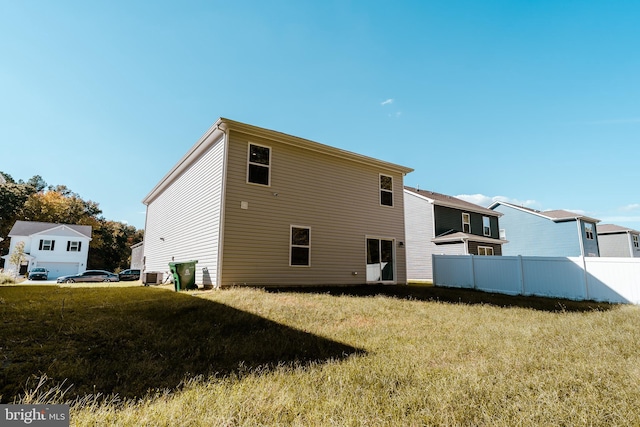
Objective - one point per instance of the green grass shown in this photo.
(414, 355)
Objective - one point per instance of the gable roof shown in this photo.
(222, 126)
(451, 202)
(28, 228)
(615, 229)
(557, 215)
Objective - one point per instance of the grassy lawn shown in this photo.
(403, 355)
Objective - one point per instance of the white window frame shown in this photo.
(385, 190)
(486, 230)
(48, 244)
(292, 245)
(588, 230)
(486, 250)
(503, 234)
(468, 222)
(74, 246)
(261, 165)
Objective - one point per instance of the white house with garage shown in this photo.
(60, 248)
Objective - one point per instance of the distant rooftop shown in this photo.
(450, 201)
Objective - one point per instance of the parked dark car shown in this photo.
(90, 276)
(131, 274)
(39, 273)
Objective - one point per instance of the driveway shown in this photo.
(38, 282)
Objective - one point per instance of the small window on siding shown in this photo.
(503, 234)
(635, 241)
(300, 248)
(588, 230)
(47, 245)
(74, 246)
(259, 164)
(485, 250)
(386, 190)
(486, 226)
(466, 223)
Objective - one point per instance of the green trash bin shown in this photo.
(184, 275)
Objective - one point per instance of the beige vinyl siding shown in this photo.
(186, 215)
(337, 198)
(419, 232)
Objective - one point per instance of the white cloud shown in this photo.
(396, 114)
(619, 219)
(631, 207)
(388, 101)
(482, 200)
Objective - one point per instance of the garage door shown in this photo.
(57, 269)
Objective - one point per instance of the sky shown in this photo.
(532, 102)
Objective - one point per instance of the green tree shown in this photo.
(12, 199)
(110, 248)
(37, 183)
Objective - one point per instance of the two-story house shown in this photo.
(617, 241)
(552, 233)
(439, 224)
(60, 248)
(258, 207)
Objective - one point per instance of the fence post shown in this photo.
(473, 272)
(586, 278)
(521, 269)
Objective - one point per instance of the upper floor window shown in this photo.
(300, 253)
(74, 246)
(386, 190)
(485, 250)
(259, 164)
(466, 223)
(588, 230)
(486, 226)
(503, 234)
(47, 245)
(635, 241)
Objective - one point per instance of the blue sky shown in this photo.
(536, 103)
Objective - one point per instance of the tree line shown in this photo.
(35, 200)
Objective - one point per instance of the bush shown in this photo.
(4, 279)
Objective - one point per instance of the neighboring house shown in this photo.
(60, 248)
(617, 241)
(258, 207)
(137, 256)
(439, 224)
(554, 233)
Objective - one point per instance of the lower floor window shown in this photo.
(300, 252)
(485, 250)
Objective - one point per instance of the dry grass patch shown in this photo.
(422, 362)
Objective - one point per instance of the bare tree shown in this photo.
(16, 257)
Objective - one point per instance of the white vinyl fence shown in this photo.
(615, 280)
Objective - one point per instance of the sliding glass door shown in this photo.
(380, 260)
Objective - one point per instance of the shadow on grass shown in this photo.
(453, 295)
(132, 340)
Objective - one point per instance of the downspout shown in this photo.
(580, 239)
(584, 259)
(223, 195)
